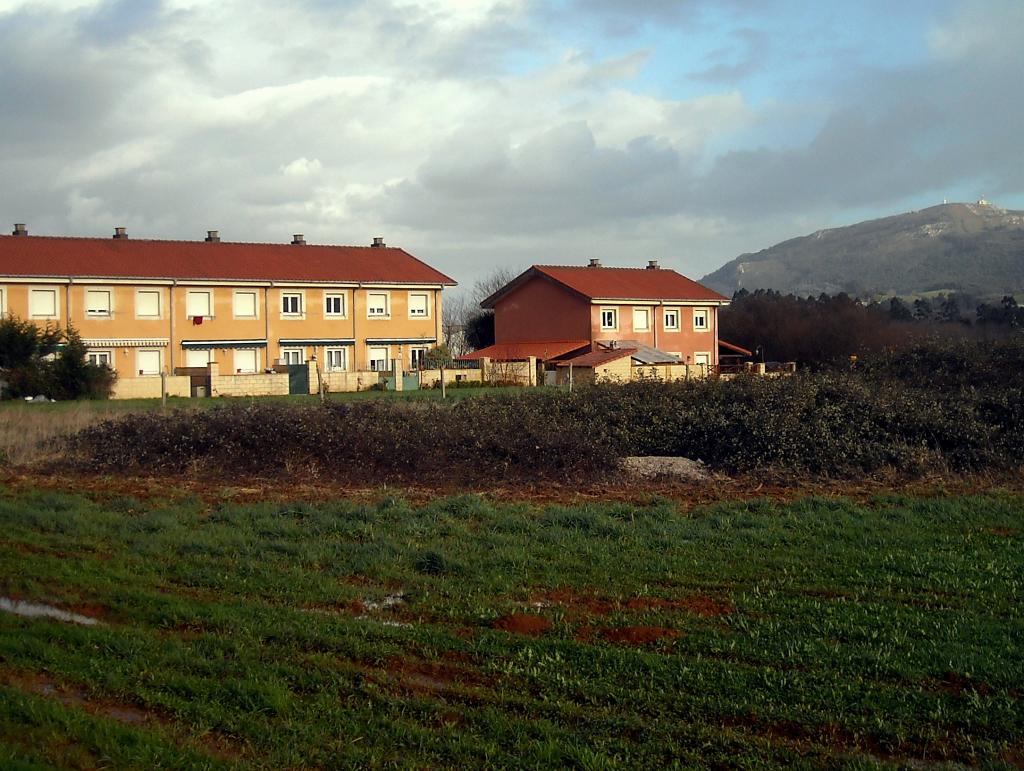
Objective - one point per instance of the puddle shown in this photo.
(38, 610)
(389, 601)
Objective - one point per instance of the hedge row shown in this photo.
(838, 424)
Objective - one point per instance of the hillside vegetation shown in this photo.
(973, 248)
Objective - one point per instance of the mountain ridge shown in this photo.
(954, 247)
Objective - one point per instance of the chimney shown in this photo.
(594, 263)
(652, 265)
(378, 242)
(20, 229)
(121, 233)
(213, 236)
(298, 240)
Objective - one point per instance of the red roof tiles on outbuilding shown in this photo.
(543, 350)
(48, 256)
(598, 357)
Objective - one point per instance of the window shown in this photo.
(147, 304)
(245, 305)
(195, 358)
(702, 360)
(672, 318)
(378, 359)
(641, 319)
(418, 305)
(198, 304)
(700, 319)
(97, 302)
(98, 358)
(337, 361)
(609, 318)
(291, 304)
(377, 304)
(245, 361)
(418, 357)
(334, 305)
(148, 361)
(293, 355)
(42, 303)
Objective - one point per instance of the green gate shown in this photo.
(298, 379)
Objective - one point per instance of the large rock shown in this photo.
(665, 467)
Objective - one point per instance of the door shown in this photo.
(298, 379)
(703, 362)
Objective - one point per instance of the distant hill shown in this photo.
(975, 248)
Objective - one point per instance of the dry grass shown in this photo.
(35, 433)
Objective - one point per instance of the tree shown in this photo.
(922, 309)
(472, 327)
(898, 310)
(49, 361)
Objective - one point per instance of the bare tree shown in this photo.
(462, 313)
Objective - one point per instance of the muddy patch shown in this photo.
(581, 606)
(522, 623)
(638, 635)
(1004, 532)
(956, 684)
(431, 676)
(40, 610)
(42, 685)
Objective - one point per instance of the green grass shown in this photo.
(819, 633)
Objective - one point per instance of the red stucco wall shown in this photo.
(541, 310)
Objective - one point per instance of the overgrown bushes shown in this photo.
(897, 413)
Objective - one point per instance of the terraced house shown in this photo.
(146, 307)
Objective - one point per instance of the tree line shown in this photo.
(817, 331)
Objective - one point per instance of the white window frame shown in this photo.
(290, 353)
(673, 326)
(191, 353)
(159, 361)
(336, 353)
(158, 293)
(331, 314)
(646, 313)
(426, 305)
(371, 361)
(701, 313)
(98, 357)
(417, 355)
(370, 308)
(613, 315)
(255, 304)
(245, 370)
(193, 297)
(99, 314)
(705, 365)
(3, 301)
(293, 314)
(56, 305)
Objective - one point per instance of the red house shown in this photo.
(558, 312)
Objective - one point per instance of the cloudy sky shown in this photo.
(484, 133)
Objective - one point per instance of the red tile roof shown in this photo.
(596, 283)
(597, 358)
(543, 350)
(137, 258)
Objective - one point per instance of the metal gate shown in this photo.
(410, 381)
(298, 379)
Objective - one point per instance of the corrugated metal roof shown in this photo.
(55, 256)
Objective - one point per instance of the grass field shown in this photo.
(466, 632)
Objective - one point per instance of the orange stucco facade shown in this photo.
(144, 327)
